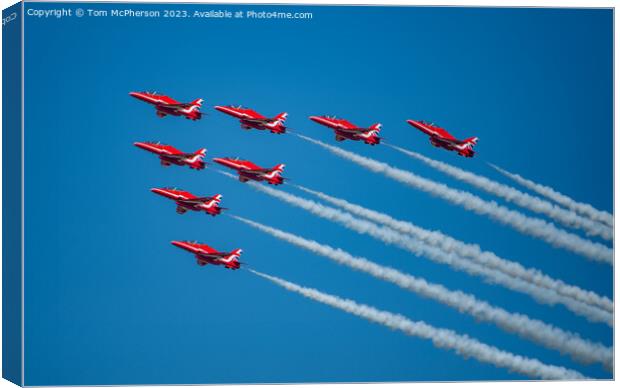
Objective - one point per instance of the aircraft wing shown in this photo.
(178, 156)
(447, 140)
(254, 172)
(180, 105)
(192, 201)
(212, 256)
(354, 130)
(258, 121)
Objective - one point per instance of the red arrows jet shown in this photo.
(344, 129)
(250, 171)
(165, 105)
(439, 137)
(187, 201)
(170, 155)
(252, 119)
(207, 255)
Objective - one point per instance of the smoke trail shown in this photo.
(510, 194)
(527, 225)
(416, 247)
(532, 329)
(463, 345)
(473, 251)
(564, 200)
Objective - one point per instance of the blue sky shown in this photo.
(110, 301)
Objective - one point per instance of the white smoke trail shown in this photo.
(510, 194)
(416, 247)
(473, 251)
(564, 200)
(524, 326)
(463, 345)
(534, 227)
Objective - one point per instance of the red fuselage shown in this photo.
(252, 119)
(439, 137)
(207, 255)
(187, 201)
(344, 129)
(165, 105)
(169, 155)
(250, 171)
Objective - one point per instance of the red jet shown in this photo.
(344, 129)
(252, 119)
(248, 170)
(207, 255)
(170, 155)
(165, 105)
(439, 137)
(187, 201)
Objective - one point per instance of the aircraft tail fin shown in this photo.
(273, 176)
(201, 152)
(197, 102)
(233, 255)
(217, 198)
(195, 160)
(470, 141)
(281, 117)
(375, 127)
(277, 123)
(278, 168)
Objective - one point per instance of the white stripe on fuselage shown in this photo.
(236, 113)
(157, 149)
(163, 104)
(272, 174)
(368, 134)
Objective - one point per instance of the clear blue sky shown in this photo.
(110, 301)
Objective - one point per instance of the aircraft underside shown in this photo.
(261, 127)
(341, 136)
(465, 151)
(162, 112)
(167, 162)
(213, 211)
(202, 262)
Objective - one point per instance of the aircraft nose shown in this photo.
(220, 108)
(178, 244)
(157, 191)
(133, 94)
(315, 118)
(414, 123)
(219, 160)
(139, 144)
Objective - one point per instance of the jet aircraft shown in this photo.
(252, 119)
(344, 129)
(207, 255)
(250, 171)
(169, 155)
(187, 201)
(165, 105)
(439, 137)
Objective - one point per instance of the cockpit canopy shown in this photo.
(429, 123)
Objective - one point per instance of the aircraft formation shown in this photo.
(463, 256)
(248, 171)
